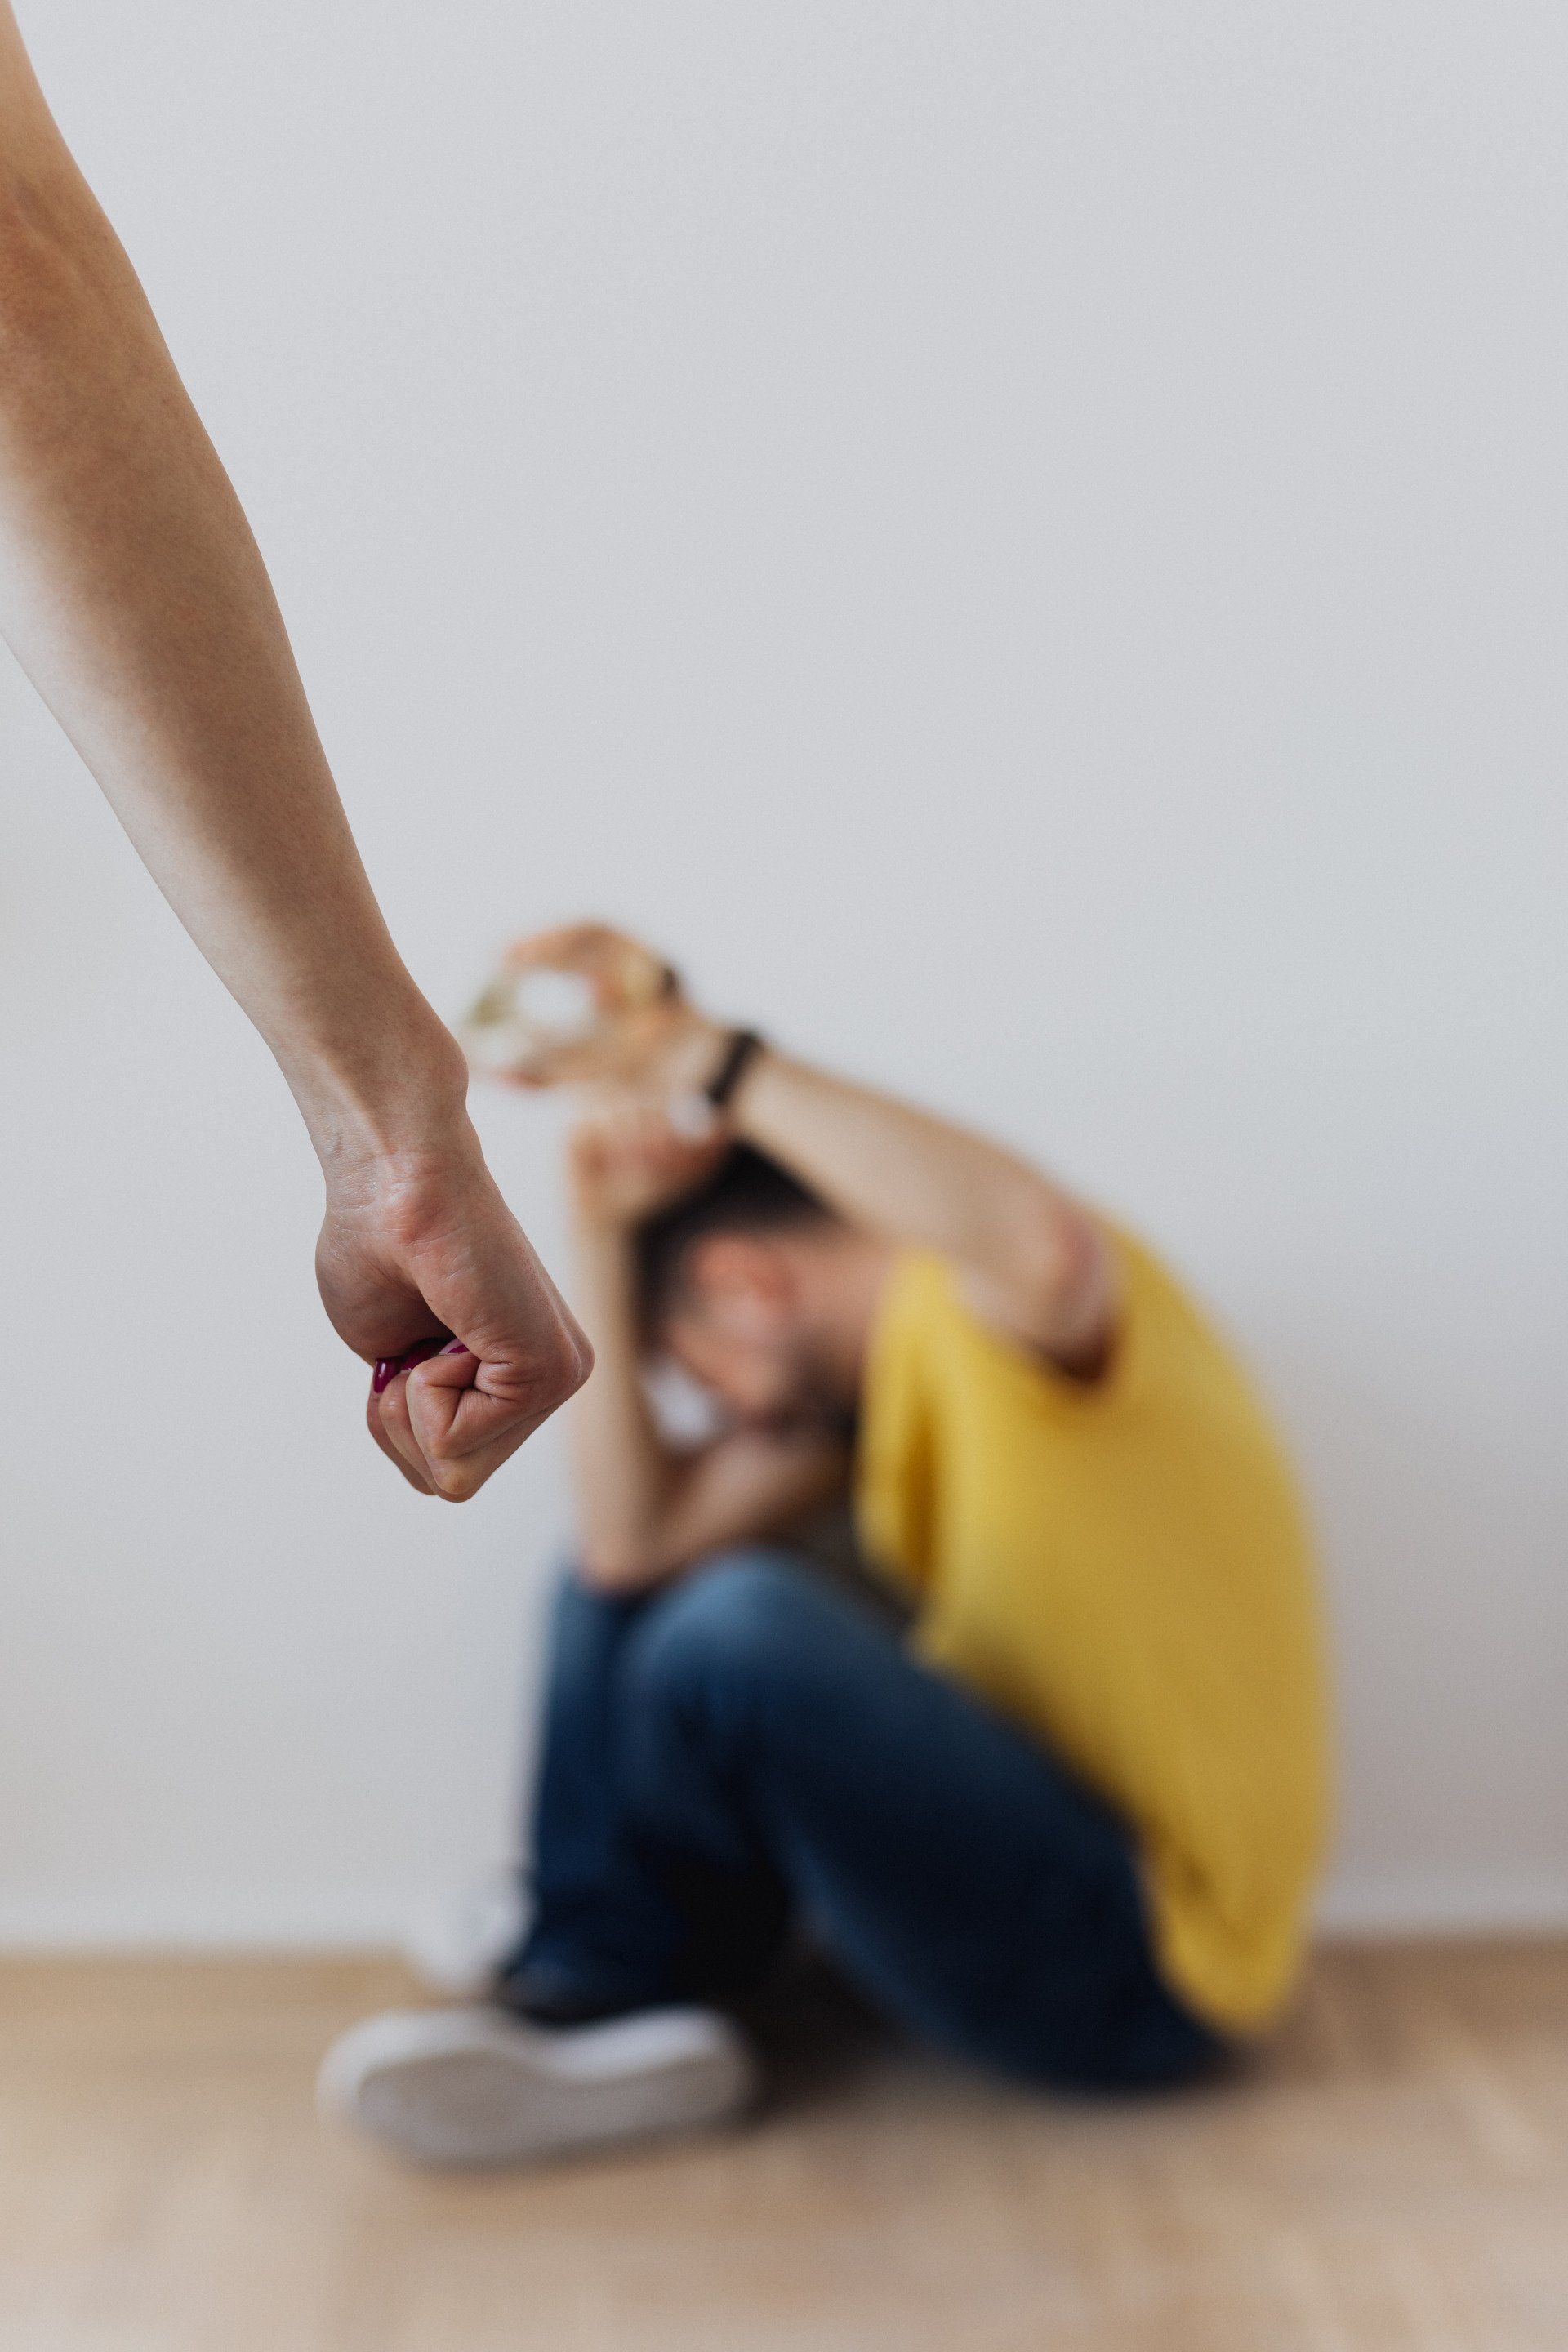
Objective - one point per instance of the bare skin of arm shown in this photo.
(645, 1511)
(1034, 1262)
(133, 595)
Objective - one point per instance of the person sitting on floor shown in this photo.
(1067, 1825)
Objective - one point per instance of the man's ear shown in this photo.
(739, 1266)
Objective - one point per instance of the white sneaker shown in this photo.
(465, 2086)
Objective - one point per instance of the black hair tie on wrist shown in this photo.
(744, 1048)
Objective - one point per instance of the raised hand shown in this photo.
(626, 1162)
(637, 1029)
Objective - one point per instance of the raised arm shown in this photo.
(134, 596)
(1035, 1263)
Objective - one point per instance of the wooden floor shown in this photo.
(1393, 2176)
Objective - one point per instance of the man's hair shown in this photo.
(746, 1193)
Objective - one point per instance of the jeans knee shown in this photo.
(584, 1626)
(732, 1628)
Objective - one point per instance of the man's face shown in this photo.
(743, 1331)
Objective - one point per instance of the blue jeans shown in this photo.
(748, 1745)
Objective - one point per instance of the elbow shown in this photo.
(1065, 1279)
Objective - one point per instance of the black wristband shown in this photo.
(744, 1048)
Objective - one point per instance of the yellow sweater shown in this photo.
(1123, 1567)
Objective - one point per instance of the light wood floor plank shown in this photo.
(1392, 2177)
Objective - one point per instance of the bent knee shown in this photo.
(577, 1602)
(744, 1620)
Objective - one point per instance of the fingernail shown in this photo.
(455, 1348)
(388, 1366)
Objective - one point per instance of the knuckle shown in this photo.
(555, 1371)
(455, 1484)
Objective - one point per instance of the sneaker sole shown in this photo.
(458, 2089)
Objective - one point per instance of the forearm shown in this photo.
(898, 1171)
(624, 1473)
(133, 595)
(132, 592)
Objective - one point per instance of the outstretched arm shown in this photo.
(134, 596)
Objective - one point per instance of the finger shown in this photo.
(569, 944)
(396, 1427)
(374, 1423)
(392, 1414)
(458, 1476)
(626, 974)
(555, 1066)
(458, 1465)
(468, 1418)
(387, 1367)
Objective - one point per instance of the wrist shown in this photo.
(694, 1053)
(398, 1089)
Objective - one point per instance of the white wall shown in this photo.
(1026, 545)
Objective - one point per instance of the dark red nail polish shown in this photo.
(457, 1348)
(388, 1366)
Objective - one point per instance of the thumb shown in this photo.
(457, 1424)
(392, 1395)
(436, 1383)
(466, 1415)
